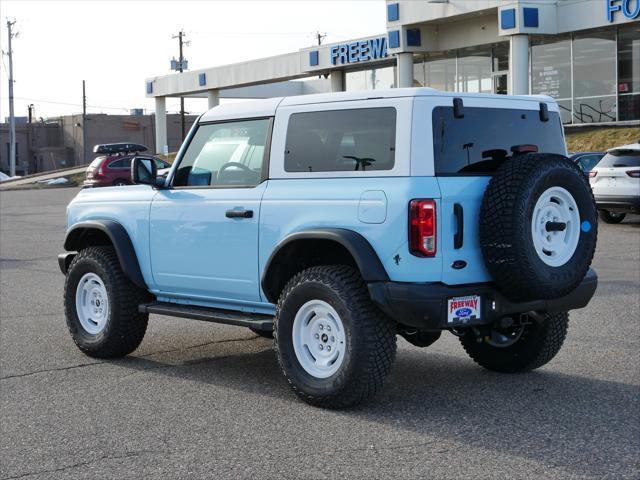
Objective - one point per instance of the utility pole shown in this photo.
(12, 118)
(180, 38)
(320, 37)
(83, 160)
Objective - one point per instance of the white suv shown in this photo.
(615, 181)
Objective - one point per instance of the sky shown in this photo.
(115, 45)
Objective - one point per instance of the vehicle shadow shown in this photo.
(561, 420)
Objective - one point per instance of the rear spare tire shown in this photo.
(538, 227)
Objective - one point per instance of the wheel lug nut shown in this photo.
(316, 336)
(320, 347)
(320, 327)
(333, 339)
(328, 348)
(328, 328)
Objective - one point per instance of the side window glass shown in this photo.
(116, 164)
(224, 154)
(341, 140)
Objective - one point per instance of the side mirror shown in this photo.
(144, 171)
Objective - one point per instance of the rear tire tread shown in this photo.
(378, 330)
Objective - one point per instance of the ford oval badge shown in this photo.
(459, 264)
(463, 312)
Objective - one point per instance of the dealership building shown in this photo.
(583, 53)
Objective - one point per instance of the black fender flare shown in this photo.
(364, 255)
(119, 239)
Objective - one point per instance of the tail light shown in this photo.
(100, 172)
(633, 173)
(422, 228)
(592, 174)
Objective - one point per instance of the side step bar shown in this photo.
(228, 317)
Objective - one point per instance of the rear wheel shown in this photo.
(517, 348)
(335, 347)
(611, 217)
(101, 305)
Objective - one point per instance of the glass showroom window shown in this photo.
(629, 72)
(474, 70)
(551, 71)
(440, 71)
(594, 72)
(371, 79)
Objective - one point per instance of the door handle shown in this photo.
(239, 213)
(458, 238)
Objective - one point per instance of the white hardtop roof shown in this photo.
(267, 107)
(631, 146)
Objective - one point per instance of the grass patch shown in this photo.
(601, 139)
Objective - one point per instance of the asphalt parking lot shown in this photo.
(204, 400)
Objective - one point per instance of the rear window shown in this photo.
(341, 140)
(96, 162)
(479, 142)
(620, 158)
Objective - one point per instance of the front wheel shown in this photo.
(611, 217)
(101, 305)
(334, 346)
(518, 348)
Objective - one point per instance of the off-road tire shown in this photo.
(370, 337)
(607, 217)
(539, 343)
(506, 237)
(125, 326)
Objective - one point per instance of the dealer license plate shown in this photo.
(461, 310)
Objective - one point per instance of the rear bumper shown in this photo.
(424, 306)
(616, 203)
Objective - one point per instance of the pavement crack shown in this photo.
(89, 364)
(82, 464)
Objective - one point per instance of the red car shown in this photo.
(114, 167)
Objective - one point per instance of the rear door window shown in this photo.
(341, 140)
(620, 158)
(480, 141)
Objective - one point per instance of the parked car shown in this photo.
(114, 168)
(615, 181)
(586, 160)
(334, 222)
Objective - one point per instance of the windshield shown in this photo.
(620, 158)
(480, 141)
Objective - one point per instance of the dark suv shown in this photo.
(114, 168)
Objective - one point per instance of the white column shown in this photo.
(519, 65)
(404, 65)
(161, 125)
(213, 97)
(337, 80)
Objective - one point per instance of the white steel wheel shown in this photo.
(92, 303)
(319, 339)
(555, 226)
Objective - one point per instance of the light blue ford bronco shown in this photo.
(335, 222)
